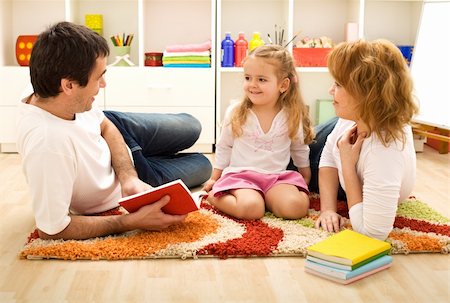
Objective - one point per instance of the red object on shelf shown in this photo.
(310, 57)
(153, 59)
(240, 49)
(24, 44)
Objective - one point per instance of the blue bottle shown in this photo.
(227, 51)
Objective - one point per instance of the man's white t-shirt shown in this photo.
(387, 176)
(67, 165)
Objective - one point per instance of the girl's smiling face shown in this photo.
(261, 84)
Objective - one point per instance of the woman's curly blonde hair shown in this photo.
(376, 75)
(291, 100)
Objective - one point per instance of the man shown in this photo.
(76, 160)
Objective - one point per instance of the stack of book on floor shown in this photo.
(347, 256)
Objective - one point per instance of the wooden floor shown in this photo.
(412, 278)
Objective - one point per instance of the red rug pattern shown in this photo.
(208, 232)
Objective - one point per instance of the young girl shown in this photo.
(370, 152)
(258, 137)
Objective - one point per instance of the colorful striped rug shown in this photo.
(209, 233)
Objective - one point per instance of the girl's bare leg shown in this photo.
(240, 203)
(286, 201)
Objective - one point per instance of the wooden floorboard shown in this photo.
(412, 278)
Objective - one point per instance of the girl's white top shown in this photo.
(258, 151)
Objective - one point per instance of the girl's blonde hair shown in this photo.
(376, 75)
(291, 99)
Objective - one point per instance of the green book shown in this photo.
(346, 267)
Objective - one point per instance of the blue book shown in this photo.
(348, 274)
(345, 282)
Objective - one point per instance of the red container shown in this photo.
(311, 57)
(153, 59)
(24, 44)
(240, 50)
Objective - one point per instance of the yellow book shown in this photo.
(348, 247)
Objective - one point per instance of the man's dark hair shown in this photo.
(64, 51)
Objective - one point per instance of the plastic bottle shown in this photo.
(240, 49)
(256, 41)
(227, 51)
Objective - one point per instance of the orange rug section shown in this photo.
(210, 233)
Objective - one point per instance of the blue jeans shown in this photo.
(321, 131)
(155, 141)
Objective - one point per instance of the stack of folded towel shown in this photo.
(188, 55)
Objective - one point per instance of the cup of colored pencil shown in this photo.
(122, 40)
(122, 49)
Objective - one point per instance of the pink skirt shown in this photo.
(257, 181)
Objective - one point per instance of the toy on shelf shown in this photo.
(322, 42)
(153, 59)
(312, 52)
(24, 44)
(94, 22)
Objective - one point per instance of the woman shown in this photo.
(370, 151)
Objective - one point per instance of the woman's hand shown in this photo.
(350, 147)
(330, 221)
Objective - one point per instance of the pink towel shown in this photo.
(201, 47)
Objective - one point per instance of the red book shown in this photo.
(182, 200)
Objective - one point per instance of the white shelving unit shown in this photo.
(312, 18)
(155, 25)
(204, 92)
(393, 20)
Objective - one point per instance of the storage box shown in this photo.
(153, 59)
(407, 51)
(310, 57)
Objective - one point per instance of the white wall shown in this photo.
(430, 66)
